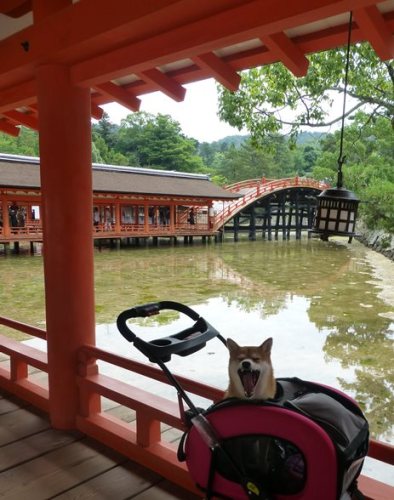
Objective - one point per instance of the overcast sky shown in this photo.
(197, 114)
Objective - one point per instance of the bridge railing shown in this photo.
(259, 189)
(247, 184)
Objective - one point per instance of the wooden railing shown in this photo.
(142, 439)
(256, 190)
(236, 187)
(28, 231)
(15, 376)
(252, 189)
(123, 231)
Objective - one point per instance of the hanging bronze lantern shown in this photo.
(336, 209)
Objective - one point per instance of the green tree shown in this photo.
(275, 160)
(107, 130)
(369, 167)
(267, 92)
(102, 153)
(157, 142)
(25, 144)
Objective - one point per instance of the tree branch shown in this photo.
(308, 123)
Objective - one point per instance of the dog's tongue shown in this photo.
(248, 381)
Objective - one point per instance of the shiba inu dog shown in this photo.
(250, 371)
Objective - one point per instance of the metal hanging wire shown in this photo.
(342, 158)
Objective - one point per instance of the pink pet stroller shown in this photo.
(308, 442)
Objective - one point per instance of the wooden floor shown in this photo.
(38, 462)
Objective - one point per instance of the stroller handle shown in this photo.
(182, 343)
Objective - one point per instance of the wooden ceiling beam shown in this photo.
(23, 94)
(218, 69)
(16, 96)
(41, 9)
(166, 84)
(15, 8)
(8, 128)
(22, 119)
(96, 111)
(376, 31)
(88, 28)
(287, 52)
(249, 20)
(258, 56)
(120, 95)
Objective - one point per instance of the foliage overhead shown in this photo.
(268, 95)
(369, 168)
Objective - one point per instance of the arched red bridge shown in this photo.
(280, 204)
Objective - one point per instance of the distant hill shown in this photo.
(237, 140)
(308, 137)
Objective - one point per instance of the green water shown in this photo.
(323, 304)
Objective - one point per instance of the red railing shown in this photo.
(246, 184)
(123, 231)
(252, 189)
(142, 439)
(16, 376)
(258, 189)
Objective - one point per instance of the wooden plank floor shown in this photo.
(38, 462)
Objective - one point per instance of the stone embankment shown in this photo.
(377, 240)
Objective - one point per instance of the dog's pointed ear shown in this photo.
(266, 346)
(231, 345)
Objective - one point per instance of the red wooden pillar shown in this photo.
(146, 219)
(172, 218)
(66, 180)
(6, 218)
(117, 216)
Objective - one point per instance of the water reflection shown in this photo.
(328, 320)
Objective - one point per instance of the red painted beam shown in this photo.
(19, 95)
(375, 29)
(9, 129)
(381, 451)
(24, 93)
(218, 69)
(41, 9)
(15, 8)
(118, 94)
(375, 490)
(96, 29)
(287, 52)
(166, 84)
(22, 119)
(250, 20)
(323, 40)
(96, 111)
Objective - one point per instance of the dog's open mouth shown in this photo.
(249, 380)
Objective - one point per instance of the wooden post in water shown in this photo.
(289, 221)
(252, 223)
(283, 208)
(236, 227)
(269, 220)
(298, 216)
